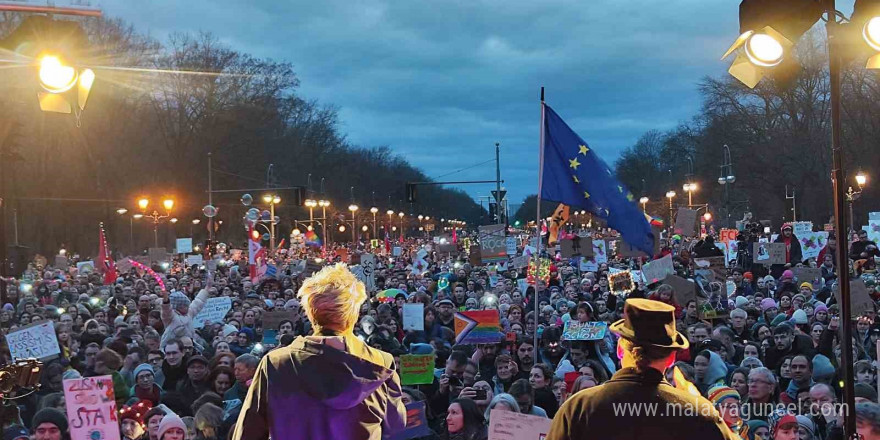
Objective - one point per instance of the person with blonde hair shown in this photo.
(330, 384)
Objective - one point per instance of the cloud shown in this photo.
(441, 81)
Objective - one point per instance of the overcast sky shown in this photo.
(441, 81)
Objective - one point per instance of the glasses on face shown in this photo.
(759, 381)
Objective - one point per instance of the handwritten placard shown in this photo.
(413, 316)
(91, 408)
(194, 260)
(584, 331)
(658, 269)
(511, 245)
(85, 267)
(34, 341)
(769, 253)
(416, 423)
(509, 425)
(215, 310)
(416, 369)
(576, 246)
(493, 243)
(368, 263)
(184, 245)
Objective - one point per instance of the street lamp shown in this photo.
(644, 202)
(121, 211)
(324, 204)
(690, 188)
(353, 208)
(670, 195)
(167, 203)
(373, 211)
(707, 216)
(851, 196)
(271, 200)
(401, 214)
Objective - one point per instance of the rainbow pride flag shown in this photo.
(312, 239)
(478, 327)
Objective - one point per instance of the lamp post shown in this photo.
(851, 196)
(168, 204)
(311, 203)
(670, 195)
(644, 202)
(401, 214)
(726, 179)
(353, 208)
(690, 188)
(324, 204)
(272, 200)
(373, 211)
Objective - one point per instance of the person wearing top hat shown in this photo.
(638, 402)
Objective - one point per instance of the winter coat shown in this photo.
(177, 325)
(310, 390)
(715, 374)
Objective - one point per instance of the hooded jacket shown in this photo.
(715, 373)
(310, 390)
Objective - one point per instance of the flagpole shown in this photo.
(538, 221)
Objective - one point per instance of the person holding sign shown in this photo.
(178, 312)
(329, 385)
(647, 346)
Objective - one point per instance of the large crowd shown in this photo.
(770, 363)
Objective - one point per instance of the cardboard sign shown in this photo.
(123, 266)
(37, 340)
(658, 269)
(478, 327)
(416, 423)
(91, 408)
(215, 310)
(586, 331)
(158, 255)
(683, 290)
(493, 243)
(520, 262)
(61, 262)
(511, 245)
(84, 267)
(807, 274)
(272, 319)
(686, 222)
(711, 269)
(416, 369)
(727, 235)
(769, 253)
(184, 245)
(509, 425)
(413, 316)
(368, 263)
(860, 299)
(576, 247)
(194, 260)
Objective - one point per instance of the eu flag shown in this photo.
(573, 174)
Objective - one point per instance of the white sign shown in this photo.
(658, 269)
(368, 263)
(588, 264)
(396, 251)
(812, 243)
(413, 316)
(215, 310)
(511, 245)
(600, 253)
(91, 408)
(509, 425)
(34, 341)
(194, 260)
(184, 245)
(800, 229)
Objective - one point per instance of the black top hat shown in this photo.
(648, 322)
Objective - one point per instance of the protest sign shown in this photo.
(807, 274)
(860, 299)
(474, 256)
(800, 229)
(686, 222)
(270, 336)
(416, 369)
(61, 262)
(588, 264)
(522, 284)
(873, 230)
(683, 290)
(272, 319)
(658, 269)
(37, 340)
(123, 266)
(215, 310)
(812, 243)
(769, 253)
(727, 235)
(416, 423)
(157, 255)
(84, 267)
(194, 260)
(576, 246)
(584, 331)
(446, 248)
(711, 268)
(477, 327)
(621, 283)
(413, 316)
(493, 243)
(368, 263)
(358, 272)
(509, 425)
(600, 252)
(511, 245)
(91, 408)
(396, 251)
(184, 245)
(520, 261)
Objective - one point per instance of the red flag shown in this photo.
(105, 262)
(454, 236)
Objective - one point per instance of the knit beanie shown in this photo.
(787, 274)
(178, 300)
(229, 329)
(801, 296)
(820, 307)
(741, 301)
(822, 368)
(71, 374)
(171, 420)
(807, 424)
(865, 391)
(717, 394)
(806, 285)
(50, 415)
(769, 278)
(779, 319)
(141, 368)
(419, 348)
(768, 303)
(799, 317)
(753, 427)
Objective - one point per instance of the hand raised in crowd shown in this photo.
(468, 393)
(444, 384)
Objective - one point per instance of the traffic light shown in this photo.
(493, 211)
(768, 31)
(411, 192)
(56, 49)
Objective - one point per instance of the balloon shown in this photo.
(253, 214)
(276, 220)
(247, 199)
(209, 211)
(266, 236)
(266, 215)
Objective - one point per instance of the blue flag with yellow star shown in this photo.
(572, 173)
